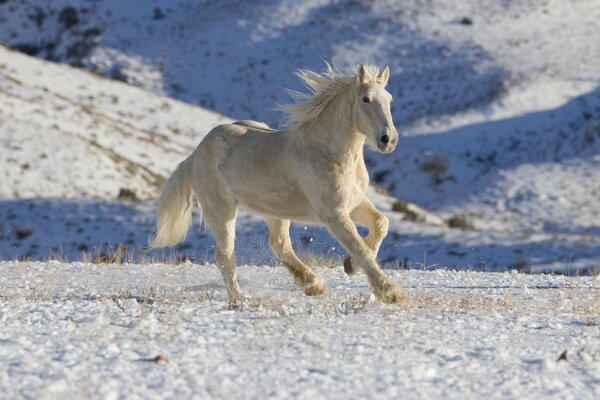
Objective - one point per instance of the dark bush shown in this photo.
(68, 17)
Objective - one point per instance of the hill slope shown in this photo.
(70, 134)
(236, 58)
(500, 103)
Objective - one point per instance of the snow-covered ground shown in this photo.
(92, 331)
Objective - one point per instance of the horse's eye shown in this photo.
(366, 99)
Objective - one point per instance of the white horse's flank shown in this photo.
(313, 172)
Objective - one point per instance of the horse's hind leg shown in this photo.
(377, 223)
(221, 222)
(279, 240)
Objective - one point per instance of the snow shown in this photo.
(87, 137)
(500, 155)
(91, 330)
(236, 58)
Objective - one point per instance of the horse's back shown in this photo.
(240, 131)
(250, 148)
(255, 124)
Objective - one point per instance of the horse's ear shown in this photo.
(361, 75)
(384, 76)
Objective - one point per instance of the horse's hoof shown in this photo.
(348, 268)
(314, 288)
(235, 301)
(390, 293)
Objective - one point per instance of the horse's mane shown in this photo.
(307, 107)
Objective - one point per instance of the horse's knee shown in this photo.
(382, 224)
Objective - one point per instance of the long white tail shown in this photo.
(174, 212)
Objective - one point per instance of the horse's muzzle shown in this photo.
(387, 143)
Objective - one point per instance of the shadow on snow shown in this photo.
(41, 229)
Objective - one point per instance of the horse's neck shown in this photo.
(335, 133)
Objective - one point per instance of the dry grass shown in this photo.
(320, 260)
(578, 302)
(120, 254)
(466, 303)
(586, 307)
(167, 289)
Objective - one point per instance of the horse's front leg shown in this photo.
(377, 223)
(341, 226)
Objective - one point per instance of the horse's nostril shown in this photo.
(385, 139)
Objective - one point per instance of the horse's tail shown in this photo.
(174, 212)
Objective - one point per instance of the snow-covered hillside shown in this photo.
(499, 102)
(236, 57)
(70, 134)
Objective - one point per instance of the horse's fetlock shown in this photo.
(314, 286)
(389, 292)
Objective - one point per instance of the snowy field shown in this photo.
(95, 331)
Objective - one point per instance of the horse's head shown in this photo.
(372, 109)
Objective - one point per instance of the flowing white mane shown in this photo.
(324, 87)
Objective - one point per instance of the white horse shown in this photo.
(313, 172)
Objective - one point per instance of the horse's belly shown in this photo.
(285, 203)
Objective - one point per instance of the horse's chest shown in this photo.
(353, 184)
(359, 175)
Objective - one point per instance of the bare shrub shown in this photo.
(23, 232)
(411, 211)
(460, 221)
(435, 163)
(126, 194)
